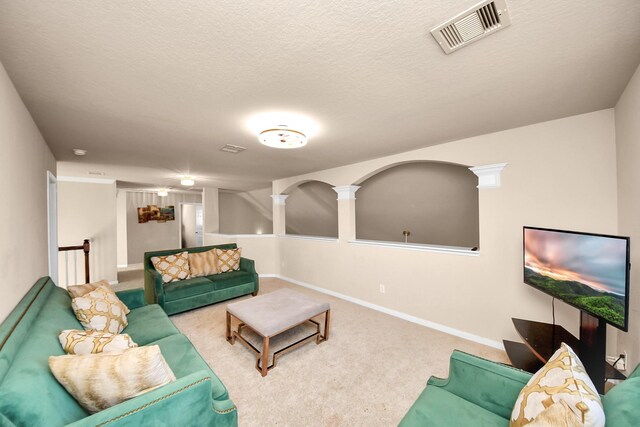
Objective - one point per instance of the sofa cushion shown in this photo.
(99, 381)
(183, 359)
(563, 377)
(438, 407)
(203, 263)
(100, 310)
(172, 267)
(228, 259)
(187, 288)
(149, 323)
(230, 279)
(74, 341)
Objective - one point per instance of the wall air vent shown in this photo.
(234, 149)
(471, 25)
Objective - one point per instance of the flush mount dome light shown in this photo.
(282, 137)
(188, 181)
(79, 152)
(163, 192)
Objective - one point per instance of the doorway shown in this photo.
(52, 225)
(191, 225)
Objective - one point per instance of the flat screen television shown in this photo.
(587, 271)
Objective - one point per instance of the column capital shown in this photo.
(346, 192)
(279, 199)
(488, 175)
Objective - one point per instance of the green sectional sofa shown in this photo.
(479, 392)
(188, 294)
(31, 396)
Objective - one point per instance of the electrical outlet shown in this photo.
(382, 289)
(622, 363)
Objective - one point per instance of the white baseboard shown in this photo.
(433, 325)
(269, 275)
(123, 265)
(113, 282)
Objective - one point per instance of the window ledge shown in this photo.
(304, 237)
(241, 235)
(456, 250)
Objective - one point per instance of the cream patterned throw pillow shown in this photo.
(557, 415)
(228, 259)
(100, 310)
(99, 381)
(203, 263)
(88, 342)
(561, 379)
(81, 290)
(172, 267)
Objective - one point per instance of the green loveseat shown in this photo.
(479, 393)
(31, 396)
(183, 295)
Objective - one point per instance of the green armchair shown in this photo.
(479, 392)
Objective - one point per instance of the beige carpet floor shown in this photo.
(369, 373)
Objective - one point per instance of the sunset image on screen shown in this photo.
(585, 270)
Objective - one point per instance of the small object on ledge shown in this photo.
(406, 234)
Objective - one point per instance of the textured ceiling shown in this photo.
(153, 89)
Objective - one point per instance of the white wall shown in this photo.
(26, 158)
(628, 149)
(121, 228)
(88, 211)
(153, 235)
(560, 174)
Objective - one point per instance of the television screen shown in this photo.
(588, 271)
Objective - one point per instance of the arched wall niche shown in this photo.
(393, 165)
(294, 186)
(311, 209)
(437, 202)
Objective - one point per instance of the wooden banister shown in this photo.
(84, 247)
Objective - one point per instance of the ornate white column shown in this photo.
(488, 175)
(279, 225)
(346, 212)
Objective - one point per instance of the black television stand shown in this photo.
(541, 340)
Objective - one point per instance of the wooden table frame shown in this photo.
(262, 357)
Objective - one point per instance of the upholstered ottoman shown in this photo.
(274, 313)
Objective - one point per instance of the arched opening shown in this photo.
(435, 202)
(312, 210)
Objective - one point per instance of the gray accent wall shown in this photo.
(152, 235)
(436, 202)
(312, 210)
(246, 212)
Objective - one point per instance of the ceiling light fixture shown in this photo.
(188, 181)
(79, 152)
(163, 193)
(282, 137)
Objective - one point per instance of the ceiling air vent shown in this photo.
(234, 149)
(471, 25)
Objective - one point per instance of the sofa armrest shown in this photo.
(153, 286)
(490, 385)
(248, 265)
(159, 407)
(132, 298)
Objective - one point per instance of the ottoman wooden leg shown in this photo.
(265, 356)
(229, 328)
(327, 323)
